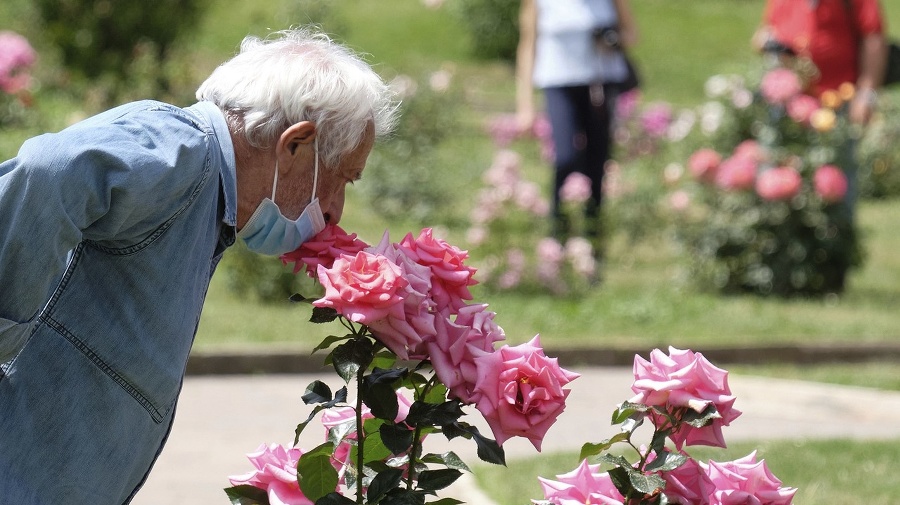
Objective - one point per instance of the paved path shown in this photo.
(220, 418)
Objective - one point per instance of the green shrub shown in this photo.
(263, 277)
(493, 27)
(106, 42)
(879, 159)
(402, 178)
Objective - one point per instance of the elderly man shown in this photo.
(111, 231)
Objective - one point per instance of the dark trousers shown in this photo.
(580, 118)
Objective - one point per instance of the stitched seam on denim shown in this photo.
(132, 249)
(105, 368)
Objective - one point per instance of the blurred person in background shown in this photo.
(843, 42)
(574, 51)
(112, 229)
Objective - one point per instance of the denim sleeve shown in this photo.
(111, 180)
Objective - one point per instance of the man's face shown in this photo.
(332, 183)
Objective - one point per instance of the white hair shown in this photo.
(300, 75)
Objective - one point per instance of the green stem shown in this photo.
(360, 439)
(417, 435)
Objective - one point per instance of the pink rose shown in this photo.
(781, 183)
(750, 149)
(688, 484)
(736, 173)
(16, 56)
(503, 129)
(656, 119)
(451, 277)
(370, 289)
(334, 417)
(685, 380)
(583, 485)
(276, 472)
(521, 391)
(322, 249)
(830, 183)
(576, 188)
(780, 85)
(418, 307)
(457, 343)
(679, 200)
(703, 164)
(800, 108)
(746, 481)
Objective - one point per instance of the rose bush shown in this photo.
(403, 301)
(765, 209)
(686, 399)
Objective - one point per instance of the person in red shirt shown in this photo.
(843, 38)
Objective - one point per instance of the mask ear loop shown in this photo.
(275, 182)
(316, 175)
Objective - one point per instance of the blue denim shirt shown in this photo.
(109, 233)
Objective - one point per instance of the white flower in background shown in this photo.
(742, 98)
(711, 116)
(581, 255)
(682, 126)
(476, 235)
(440, 80)
(404, 86)
(672, 172)
(433, 4)
(717, 86)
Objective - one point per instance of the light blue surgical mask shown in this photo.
(269, 232)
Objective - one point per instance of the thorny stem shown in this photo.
(360, 439)
(417, 433)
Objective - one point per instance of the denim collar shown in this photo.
(216, 119)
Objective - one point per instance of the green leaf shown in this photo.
(302, 426)
(701, 419)
(317, 392)
(384, 359)
(619, 478)
(644, 483)
(396, 438)
(297, 298)
(328, 341)
(449, 458)
(404, 497)
(658, 442)
(374, 449)
(381, 399)
(489, 450)
(590, 449)
(247, 495)
(382, 483)
(351, 357)
(446, 501)
(666, 461)
(334, 499)
(437, 394)
(422, 413)
(315, 474)
(323, 315)
(433, 480)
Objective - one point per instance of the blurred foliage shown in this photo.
(118, 45)
(879, 158)
(264, 278)
(402, 180)
(493, 26)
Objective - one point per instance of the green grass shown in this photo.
(833, 471)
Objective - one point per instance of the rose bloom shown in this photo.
(703, 164)
(16, 56)
(337, 416)
(453, 350)
(684, 379)
(781, 183)
(801, 108)
(746, 481)
(584, 485)
(417, 303)
(750, 149)
(451, 278)
(576, 188)
(322, 249)
(276, 472)
(736, 173)
(521, 391)
(780, 85)
(688, 484)
(830, 183)
(370, 289)
(656, 119)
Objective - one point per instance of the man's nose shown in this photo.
(336, 208)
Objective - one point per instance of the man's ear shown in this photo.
(292, 140)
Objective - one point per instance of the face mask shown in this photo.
(269, 232)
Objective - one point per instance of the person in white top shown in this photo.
(573, 51)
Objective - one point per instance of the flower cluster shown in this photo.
(16, 58)
(766, 208)
(686, 399)
(408, 300)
